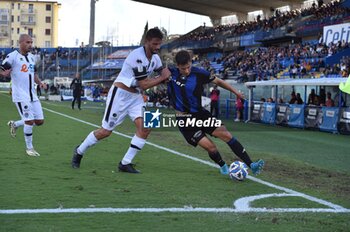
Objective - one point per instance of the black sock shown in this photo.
(216, 157)
(239, 150)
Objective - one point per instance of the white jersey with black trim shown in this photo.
(137, 67)
(22, 76)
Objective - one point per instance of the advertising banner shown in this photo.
(329, 119)
(335, 33)
(296, 116)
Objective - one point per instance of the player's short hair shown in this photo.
(23, 37)
(154, 33)
(182, 57)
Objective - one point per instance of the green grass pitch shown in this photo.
(309, 162)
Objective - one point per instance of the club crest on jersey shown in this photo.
(111, 124)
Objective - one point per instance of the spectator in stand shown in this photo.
(322, 97)
(299, 100)
(270, 100)
(214, 104)
(313, 99)
(293, 71)
(293, 98)
(329, 101)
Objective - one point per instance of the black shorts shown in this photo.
(196, 132)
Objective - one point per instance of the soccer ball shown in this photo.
(238, 170)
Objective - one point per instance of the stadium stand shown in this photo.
(287, 45)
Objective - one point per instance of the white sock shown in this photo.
(28, 135)
(19, 123)
(135, 146)
(89, 141)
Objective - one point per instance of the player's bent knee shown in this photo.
(39, 122)
(212, 149)
(102, 133)
(223, 135)
(30, 123)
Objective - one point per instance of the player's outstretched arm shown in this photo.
(151, 82)
(227, 86)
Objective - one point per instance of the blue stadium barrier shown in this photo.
(312, 117)
(335, 59)
(269, 113)
(346, 3)
(245, 110)
(257, 111)
(344, 121)
(330, 117)
(282, 114)
(296, 116)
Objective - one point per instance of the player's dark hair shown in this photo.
(182, 57)
(154, 33)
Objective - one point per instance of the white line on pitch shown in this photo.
(311, 198)
(336, 208)
(172, 210)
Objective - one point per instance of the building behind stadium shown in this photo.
(36, 18)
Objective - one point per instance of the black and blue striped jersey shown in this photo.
(185, 93)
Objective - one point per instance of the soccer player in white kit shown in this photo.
(125, 99)
(20, 65)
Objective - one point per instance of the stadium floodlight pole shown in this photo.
(57, 64)
(92, 23)
(78, 57)
(43, 66)
(250, 100)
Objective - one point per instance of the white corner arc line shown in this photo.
(308, 197)
(243, 203)
(335, 207)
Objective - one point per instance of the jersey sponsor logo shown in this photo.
(26, 68)
(179, 83)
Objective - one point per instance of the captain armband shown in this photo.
(5, 66)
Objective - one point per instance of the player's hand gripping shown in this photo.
(165, 74)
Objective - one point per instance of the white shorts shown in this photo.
(121, 103)
(30, 110)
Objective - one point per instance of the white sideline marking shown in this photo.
(171, 210)
(83, 106)
(242, 204)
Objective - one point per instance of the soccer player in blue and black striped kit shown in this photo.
(185, 90)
